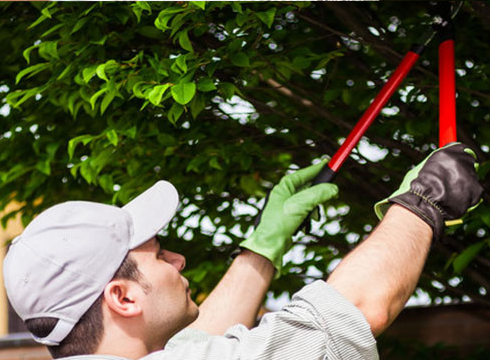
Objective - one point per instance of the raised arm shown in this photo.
(381, 273)
(239, 294)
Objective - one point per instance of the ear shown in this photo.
(123, 298)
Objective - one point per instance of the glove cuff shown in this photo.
(424, 208)
(274, 255)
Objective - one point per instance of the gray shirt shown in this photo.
(318, 323)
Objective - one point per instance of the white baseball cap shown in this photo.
(66, 256)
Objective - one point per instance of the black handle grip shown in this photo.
(324, 176)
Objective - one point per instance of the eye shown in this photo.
(160, 254)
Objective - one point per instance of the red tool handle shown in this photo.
(367, 118)
(447, 93)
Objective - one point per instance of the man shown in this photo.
(91, 279)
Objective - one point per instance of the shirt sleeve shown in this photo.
(319, 323)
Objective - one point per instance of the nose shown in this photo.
(175, 259)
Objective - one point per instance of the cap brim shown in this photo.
(151, 211)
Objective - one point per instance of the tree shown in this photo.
(99, 100)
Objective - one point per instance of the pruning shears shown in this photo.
(442, 27)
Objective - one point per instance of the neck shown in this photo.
(125, 345)
(129, 338)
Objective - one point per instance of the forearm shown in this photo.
(238, 296)
(380, 274)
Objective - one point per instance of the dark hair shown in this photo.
(85, 337)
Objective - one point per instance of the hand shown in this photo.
(288, 205)
(442, 187)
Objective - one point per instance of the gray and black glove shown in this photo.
(442, 187)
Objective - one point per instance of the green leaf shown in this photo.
(205, 85)
(150, 32)
(72, 144)
(240, 59)
(24, 95)
(214, 163)
(112, 136)
(184, 41)
(199, 4)
(236, 6)
(49, 50)
(166, 140)
(71, 102)
(177, 22)
(138, 89)
(27, 52)
(37, 22)
(80, 23)
(53, 29)
(101, 41)
(88, 73)
(87, 172)
(241, 19)
(181, 63)
(330, 95)
(44, 167)
(175, 112)
(346, 96)
(106, 183)
(89, 10)
(195, 163)
(101, 159)
(197, 105)
(267, 17)
(156, 94)
(29, 94)
(137, 11)
(109, 96)
(46, 12)
(486, 218)
(301, 62)
(462, 261)
(95, 96)
(31, 71)
(145, 104)
(65, 72)
(162, 21)
(197, 274)
(108, 66)
(131, 132)
(51, 150)
(143, 5)
(132, 167)
(183, 93)
(227, 89)
(249, 184)
(14, 173)
(82, 50)
(165, 16)
(100, 71)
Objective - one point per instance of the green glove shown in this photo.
(442, 187)
(288, 205)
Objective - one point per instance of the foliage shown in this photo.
(100, 100)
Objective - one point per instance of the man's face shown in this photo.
(167, 305)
